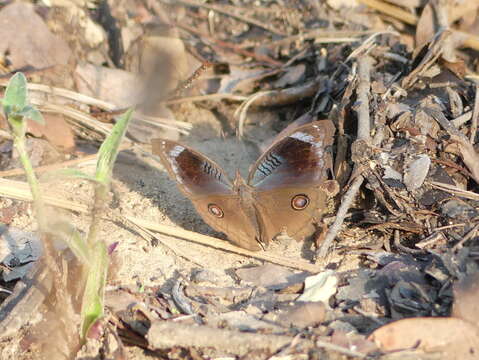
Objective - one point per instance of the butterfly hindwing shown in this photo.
(287, 180)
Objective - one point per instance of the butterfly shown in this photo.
(286, 191)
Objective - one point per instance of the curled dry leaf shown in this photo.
(454, 338)
(469, 155)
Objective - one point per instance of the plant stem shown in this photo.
(101, 196)
(38, 205)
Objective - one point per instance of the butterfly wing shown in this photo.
(288, 180)
(206, 185)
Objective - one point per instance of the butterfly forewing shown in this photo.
(301, 157)
(195, 174)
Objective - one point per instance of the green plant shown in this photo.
(91, 252)
(17, 110)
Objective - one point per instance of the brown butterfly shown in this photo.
(286, 191)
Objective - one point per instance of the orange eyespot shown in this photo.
(300, 202)
(215, 210)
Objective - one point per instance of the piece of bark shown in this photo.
(167, 334)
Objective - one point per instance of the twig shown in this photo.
(236, 16)
(364, 128)
(151, 237)
(91, 101)
(346, 202)
(222, 245)
(242, 110)
(208, 97)
(339, 349)
(168, 334)
(391, 10)
(467, 237)
(52, 167)
(468, 153)
(180, 299)
(462, 119)
(289, 95)
(444, 122)
(19, 190)
(364, 122)
(454, 190)
(397, 243)
(318, 33)
(235, 48)
(475, 116)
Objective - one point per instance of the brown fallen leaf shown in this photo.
(270, 276)
(469, 156)
(301, 314)
(466, 293)
(30, 43)
(454, 338)
(56, 130)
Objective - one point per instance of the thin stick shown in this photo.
(468, 236)
(236, 16)
(364, 73)
(454, 190)
(19, 190)
(231, 47)
(475, 116)
(339, 349)
(169, 334)
(208, 97)
(346, 202)
(222, 245)
(315, 34)
(91, 101)
(391, 10)
(364, 128)
(62, 165)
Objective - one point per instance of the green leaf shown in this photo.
(15, 94)
(72, 238)
(67, 173)
(109, 149)
(17, 125)
(32, 113)
(93, 297)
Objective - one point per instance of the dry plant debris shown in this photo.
(395, 259)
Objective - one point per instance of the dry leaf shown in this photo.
(270, 276)
(455, 338)
(320, 287)
(56, 130)
(469, 156)
(28, 40)
(466, 295)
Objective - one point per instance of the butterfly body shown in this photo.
(285, 190)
